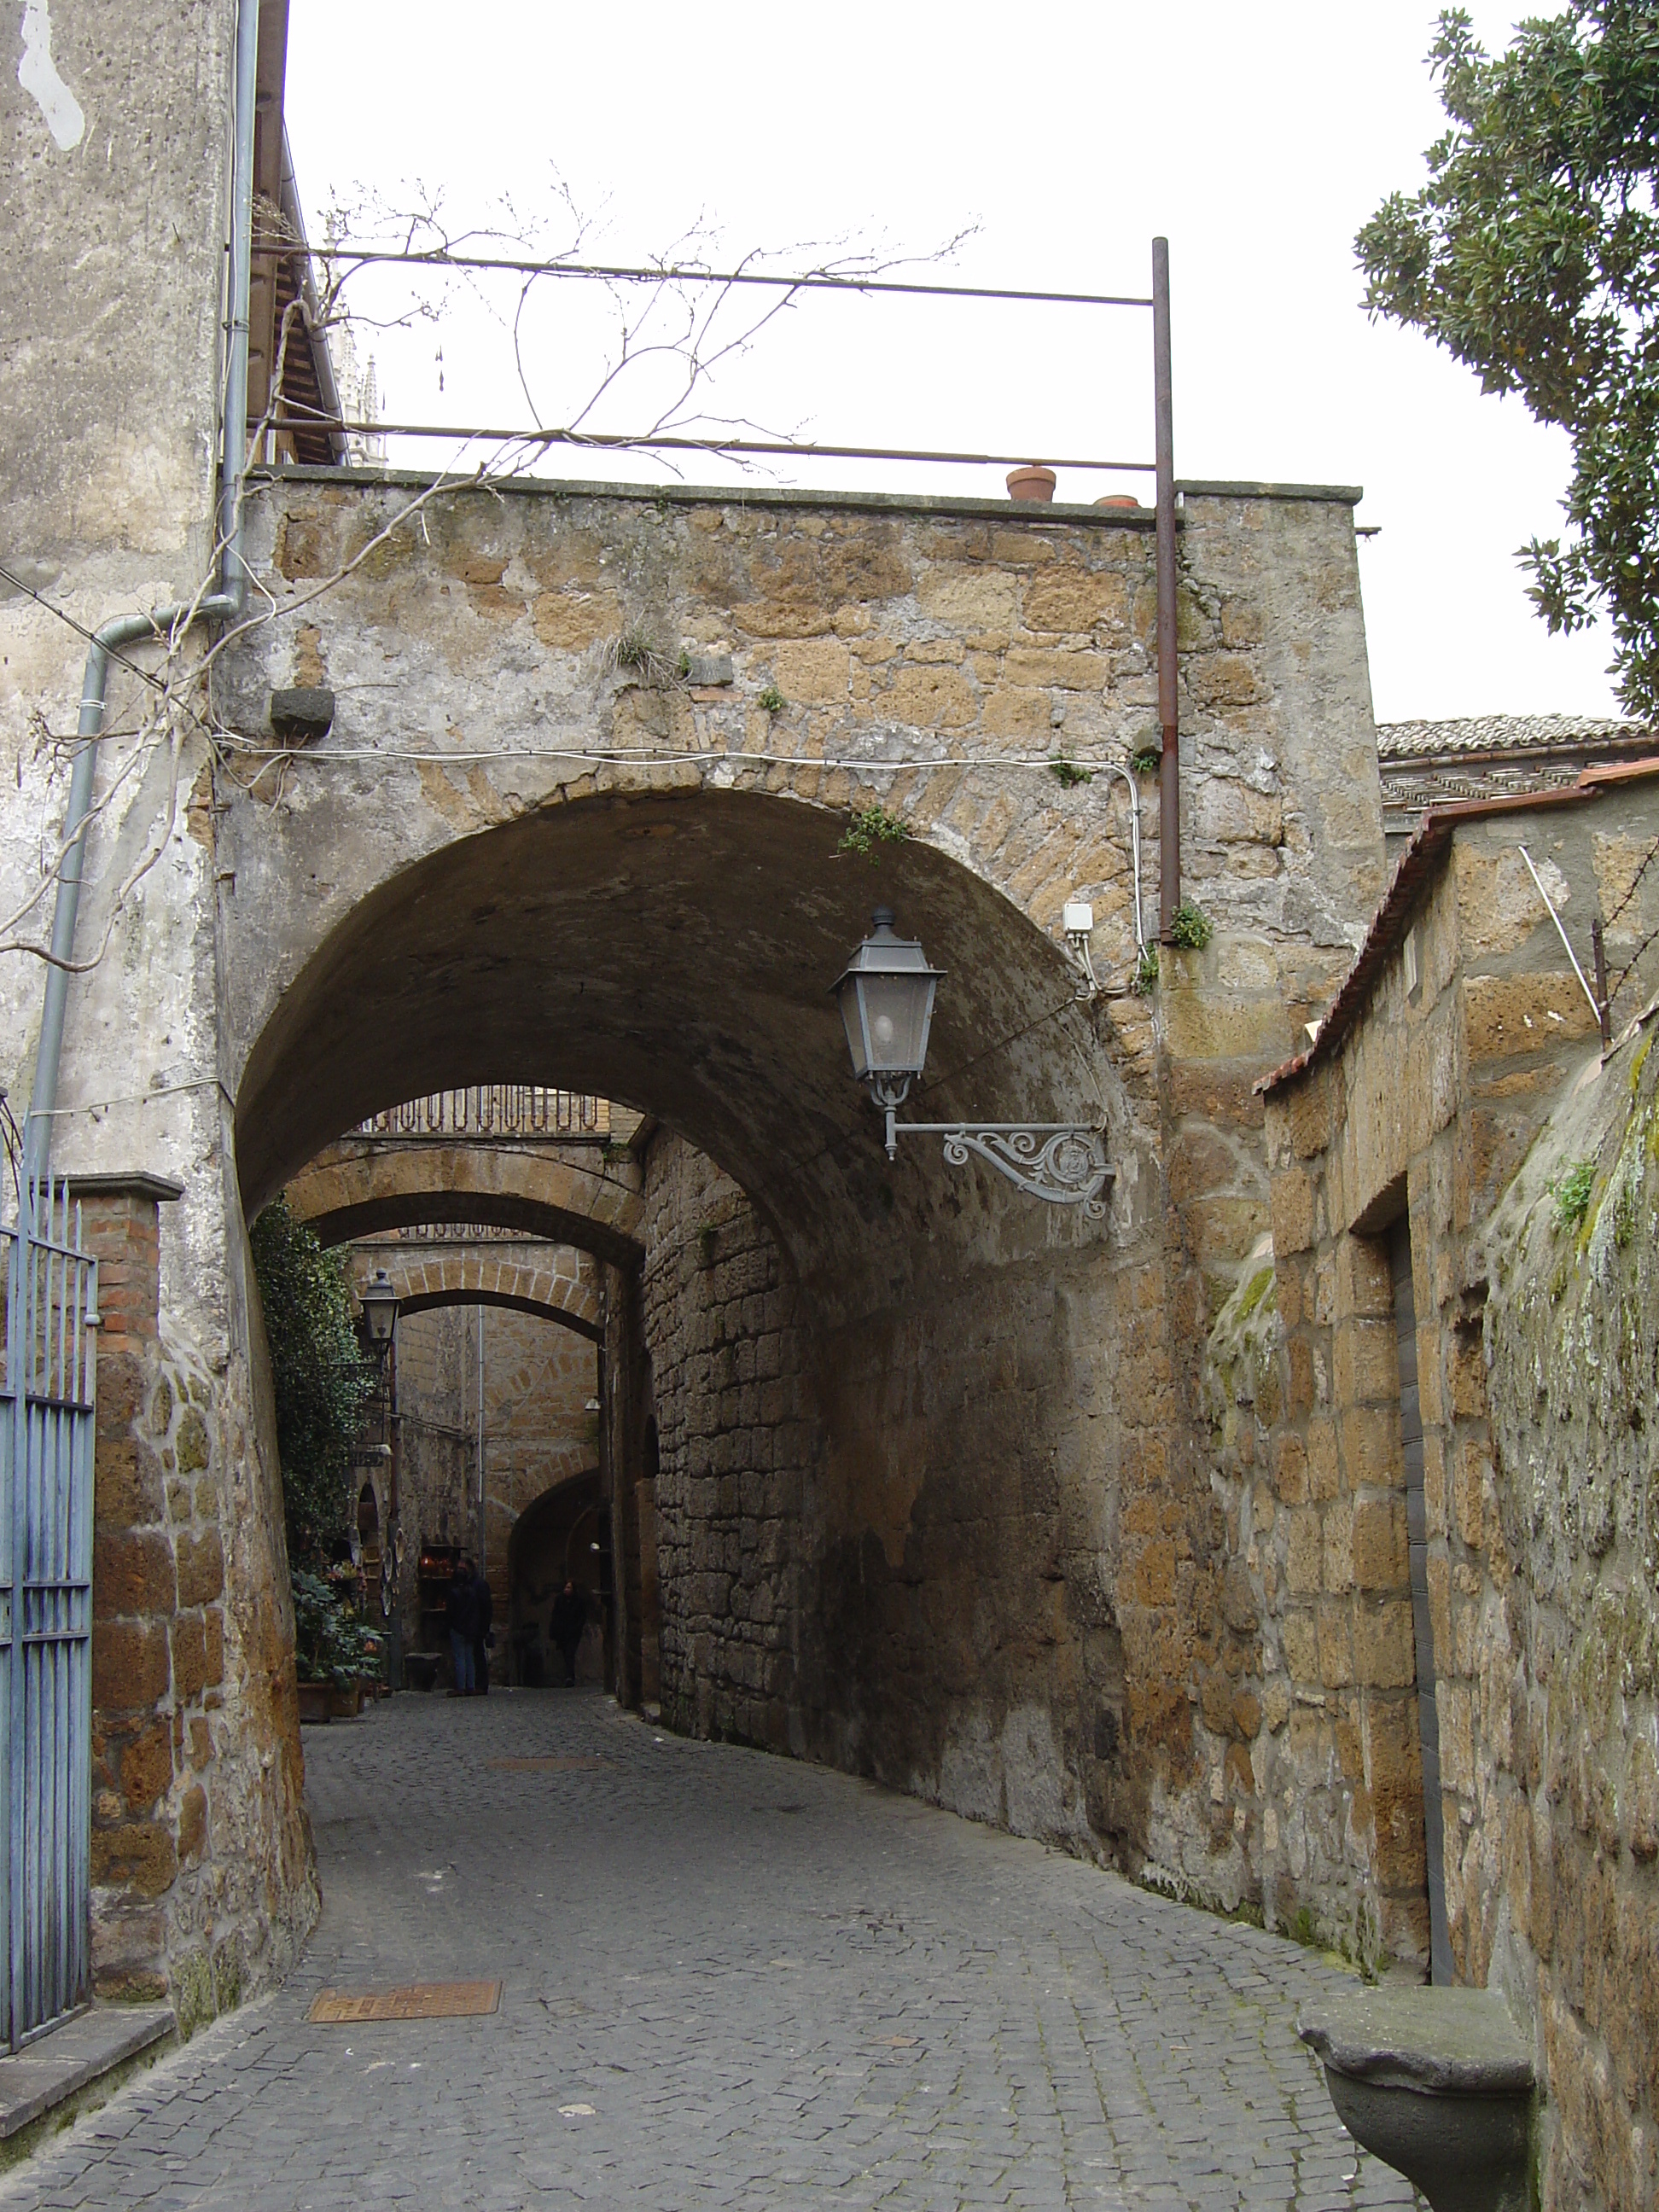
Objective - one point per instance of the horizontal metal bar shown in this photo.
(1000, 1128)
(59, 1405)
(607, 442)
(39, 1636)
(440, 258)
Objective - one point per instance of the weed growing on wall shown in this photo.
(1190, 926)
(1571, 1194)
(1069, 774)
(869, 829)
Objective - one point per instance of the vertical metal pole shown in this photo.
(394, 1431)
(481, 1564)
(1169, 787)
(1603, 1010)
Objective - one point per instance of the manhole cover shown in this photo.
(573, 1766)
(416, 2001)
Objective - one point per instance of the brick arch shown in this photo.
(553, 1286)
(362, 1187)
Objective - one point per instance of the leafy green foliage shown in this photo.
(331, 1643)
(1571, 1194)
(1146, 759)
(1532, 255)
(869, 828)
(1190, 926)
(1145, 978)
(1069, 774)
(321, 1378)
(772, 700)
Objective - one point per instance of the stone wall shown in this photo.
(201, 1863)
(1553, 1540)
(1422, 1111)
(1455, 1091)
(738, 1448)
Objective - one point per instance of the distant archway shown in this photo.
(562, 1536)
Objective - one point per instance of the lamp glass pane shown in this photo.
(846, 993)
(897, 1008)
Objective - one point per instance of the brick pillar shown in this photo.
(134, 1594)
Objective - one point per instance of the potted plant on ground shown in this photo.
(334, 1653)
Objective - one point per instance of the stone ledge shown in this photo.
(90, 2052)
(1442, 2041)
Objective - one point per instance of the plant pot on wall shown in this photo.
(1032, 482)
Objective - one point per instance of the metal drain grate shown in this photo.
(416, 2001)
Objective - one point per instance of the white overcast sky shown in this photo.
(1257, 138)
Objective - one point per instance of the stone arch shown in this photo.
(476, 1275)
(674, 951)
(362, 1187)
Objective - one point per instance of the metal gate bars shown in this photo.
(46, 1436)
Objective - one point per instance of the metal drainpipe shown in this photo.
(1168, 716)
(223, 606)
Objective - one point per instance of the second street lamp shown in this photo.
(379, 1302)
(886, 994)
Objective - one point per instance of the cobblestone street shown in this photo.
(728, 1980)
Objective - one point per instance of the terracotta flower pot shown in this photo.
(345, 1705)
(1032, 482)
(1118, 498)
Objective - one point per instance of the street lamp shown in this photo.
(886, 994)
(380, 1304)
(886, 997)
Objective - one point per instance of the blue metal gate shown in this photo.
(47, 1435)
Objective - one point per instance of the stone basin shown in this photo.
(1436, 2082)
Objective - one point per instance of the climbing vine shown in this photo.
(321, 1380)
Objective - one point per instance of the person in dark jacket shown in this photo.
(461, 1617)
(569, 1619)
(483, 1617)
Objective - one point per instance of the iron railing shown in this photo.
(493, 1109)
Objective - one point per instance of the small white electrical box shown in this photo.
(1079, 918)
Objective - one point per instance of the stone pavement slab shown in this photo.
(729, 1981)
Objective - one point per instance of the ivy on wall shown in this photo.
(322, 1380)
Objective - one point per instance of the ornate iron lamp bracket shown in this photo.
(1062, 1162)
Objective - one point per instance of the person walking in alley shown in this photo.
(569, 1619)
(461, 1615)
(484, 1631)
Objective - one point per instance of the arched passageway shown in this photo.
(364, 1186)
(562, 1538)
(552, 1285)
(893, 1404)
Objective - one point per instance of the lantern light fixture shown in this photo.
(885, 994)
(379, 1302)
